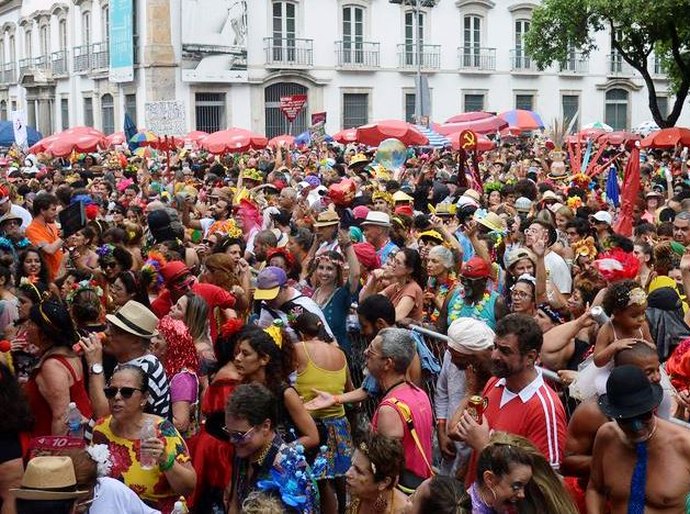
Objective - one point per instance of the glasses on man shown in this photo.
(237, 436)
(125, 392)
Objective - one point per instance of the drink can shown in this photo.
(597, 314)
(476, 406)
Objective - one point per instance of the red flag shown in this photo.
(631, 188)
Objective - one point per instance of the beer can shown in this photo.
(476, 406)
(597, 314)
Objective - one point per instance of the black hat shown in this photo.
(629, 393)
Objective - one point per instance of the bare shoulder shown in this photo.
(607, 433)
(677, 436)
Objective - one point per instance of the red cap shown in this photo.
(173, 270)
(366, 255)
(405, 210)
(476, 267)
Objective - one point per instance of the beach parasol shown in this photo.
(374, 133)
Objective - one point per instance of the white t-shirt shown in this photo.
(559, 272)
(301, 303)
(111, 496)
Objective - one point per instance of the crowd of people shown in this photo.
(308, 330)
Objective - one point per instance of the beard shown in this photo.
(500, 369)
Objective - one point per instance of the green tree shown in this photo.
(637, 28)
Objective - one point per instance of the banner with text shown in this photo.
(19, 126)
(121, 41)
(292, 105)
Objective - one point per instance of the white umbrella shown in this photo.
(598, 125)
(646, 128)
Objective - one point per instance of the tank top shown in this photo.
(42, 409)
(484, 310)
(314, 377)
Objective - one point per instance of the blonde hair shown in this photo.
(261, 503)
(545, 492)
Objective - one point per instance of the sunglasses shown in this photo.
(109, 265)
(236, 436)
(125, 392)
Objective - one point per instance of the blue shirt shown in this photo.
(385, 252)
(335, 311)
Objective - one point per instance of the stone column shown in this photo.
(159, 58)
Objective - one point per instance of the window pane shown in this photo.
(210, 111)
(474, 103)
(131, 106)
(662, 103)
(410, 107)
(355, 109)
(571, 105)
(88, 112)
(525, 102)
(108, 114)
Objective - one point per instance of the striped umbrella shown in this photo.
(522, 119)
(144, 138)
(435, 139)
(598, 125)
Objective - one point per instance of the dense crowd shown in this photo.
(316, 330)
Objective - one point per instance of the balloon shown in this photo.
(391, 154)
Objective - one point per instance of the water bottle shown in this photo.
(74, 421)
(352, 320)
(180, 507)
(148, 431)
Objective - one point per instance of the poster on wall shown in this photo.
(121, 44)
(165, 118)
(214, 41)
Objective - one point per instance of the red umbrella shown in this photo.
(484, 144)
(469, 116)
(667, 138)
(282, 140)
(42, 145)
(618, 138)
(481, 126)
(118, 138)
(233, 140)
(374, 133)
(195, 136)
(525, 120)
(68, 143)
(346, 136)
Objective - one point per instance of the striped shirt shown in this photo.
(159, 388)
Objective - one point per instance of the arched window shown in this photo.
(353, 34)
(62, 34)
(276, 122)
(521, 60)
(108, 114)
(411, 50)
(86, 28)
(471, 41)
(3, 110)
(617, 109)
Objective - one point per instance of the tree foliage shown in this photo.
(637, 28)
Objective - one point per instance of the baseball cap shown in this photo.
(476, 267)
(603, 217)
(269, 282)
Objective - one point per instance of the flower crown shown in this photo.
(253, 174)
(585, 248)
(574, 202)
(494, 185)
(637, 296)
(383, 195)
(152, 267)
(105, 251)
(84, 285)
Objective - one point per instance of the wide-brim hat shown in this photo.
(326, 219)
(136, 319)
(629, 393)
(49, 478)
(10, 216)
(377, 218)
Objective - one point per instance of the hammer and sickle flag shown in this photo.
(468, 140)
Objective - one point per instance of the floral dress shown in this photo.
(150, 485)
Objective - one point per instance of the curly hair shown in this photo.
(385, 454)
(617, 296)
(253, 402)
(43, 272)
(55, 323)
(280, 359)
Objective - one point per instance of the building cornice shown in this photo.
(484, 4)
(523, 6)
(9, 26)
(619, 83)
(58, 9)
(9, 5)
(82, 3)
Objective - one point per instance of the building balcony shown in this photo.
(617, 67)
(476, 59)
(59, 63)
(289, 52)
(357, 55)
(25, 65)
(8, 73)
(575, 64)
(521, 63)
(411, 58)
(100, 57)
(81, 59)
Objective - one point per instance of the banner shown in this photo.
(292, 105)
(165, 117)
(214, 41)
(318, 117)
(19, 125)
(121, 41)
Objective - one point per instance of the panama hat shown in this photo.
(327, 218)
(49, 478)
(135, 318)
(377, 218)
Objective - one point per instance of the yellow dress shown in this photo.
(151, 485)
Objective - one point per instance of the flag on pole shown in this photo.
(130, 130)
(21, 137)
(631, 187)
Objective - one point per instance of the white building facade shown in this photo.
(224, 63)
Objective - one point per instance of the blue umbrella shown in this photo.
(435, 139)
(130, 130)
(612, 191)
(303, 139)
(7, 134)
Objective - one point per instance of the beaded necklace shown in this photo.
(431, 311)
(458, 305)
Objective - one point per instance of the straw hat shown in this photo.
(326, 219)
(49, 478)
(136, 319)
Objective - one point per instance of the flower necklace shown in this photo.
(432, 312)
(456, 309)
